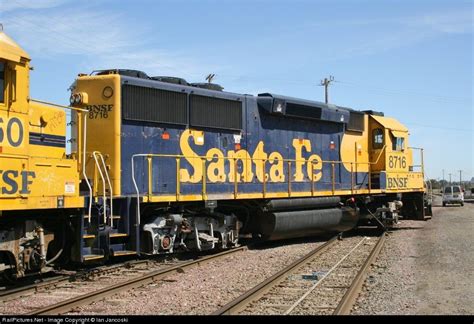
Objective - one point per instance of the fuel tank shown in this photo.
(300, 223)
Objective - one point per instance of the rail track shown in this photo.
(325, 281)
(43, 284)
(139, 278)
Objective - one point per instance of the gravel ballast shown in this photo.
(425, 267)
(204, 289)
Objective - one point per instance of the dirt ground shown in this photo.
(425, 267)
(445, 283)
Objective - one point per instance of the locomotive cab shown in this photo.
(392, 158)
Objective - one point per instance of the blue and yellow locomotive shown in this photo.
(160, 166)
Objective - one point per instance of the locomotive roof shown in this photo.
(138, 79)
(10, 50)
(311, 103)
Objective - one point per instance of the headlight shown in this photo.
(77, 98)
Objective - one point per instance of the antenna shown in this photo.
(210, 77)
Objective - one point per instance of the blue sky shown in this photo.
(410, 59)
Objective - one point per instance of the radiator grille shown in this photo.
(215, 112)
(154, 105)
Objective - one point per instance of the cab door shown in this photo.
(377, 145)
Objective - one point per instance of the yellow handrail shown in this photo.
(236, 174)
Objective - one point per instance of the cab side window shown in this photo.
(398, 143)
(377, 138)
(2, 82)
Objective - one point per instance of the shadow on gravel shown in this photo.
(361, 231)
(262, 245)
(395, 229)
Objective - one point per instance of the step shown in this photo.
(114, 235)
(116, 217)
(88, 236)
(123, 253)
(90, 257)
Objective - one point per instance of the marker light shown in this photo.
(77, 98)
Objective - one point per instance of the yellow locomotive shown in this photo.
(158, 165)
(39, 184)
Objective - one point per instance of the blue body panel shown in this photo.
(276, 132)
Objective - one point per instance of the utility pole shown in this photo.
(450, 179)
(326, 83)
(460, 177)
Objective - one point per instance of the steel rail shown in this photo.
(15, 293)
(350, 297)
(88, 298)
(239, 304)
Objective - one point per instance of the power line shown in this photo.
(440, 127)
(405, 92)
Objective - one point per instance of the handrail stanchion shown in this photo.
(370, 177)
(235, 178)
(312, 178)
(333, 178)
(264, 178)
(150, 176)
(94, 155)
(352, 178)
(204, 179)
(178, 177)
(110, 187)
(289, 178)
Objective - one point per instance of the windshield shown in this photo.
(447, 190)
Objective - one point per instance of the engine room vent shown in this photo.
(209, 86)
(356, 121)
(168, 79)
(215, 112)
(297, 110)
(154, 105)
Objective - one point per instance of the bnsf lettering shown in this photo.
(99, 111)
(13, 181)
(393, 183)
(12, 134)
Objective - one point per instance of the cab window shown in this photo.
(2, 82)
(377, 138)
(398, 143)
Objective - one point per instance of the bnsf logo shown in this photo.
(13, 181)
